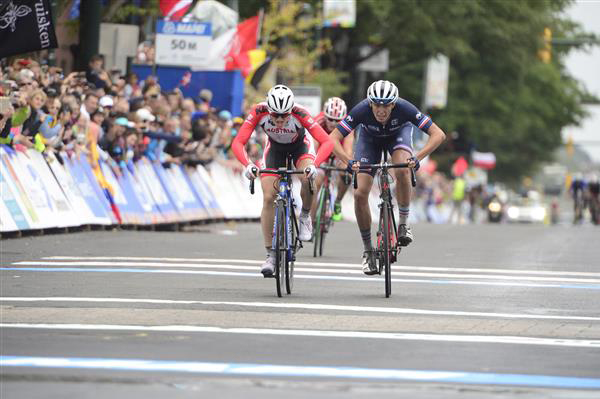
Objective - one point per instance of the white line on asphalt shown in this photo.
(356, 270)
(311, 306)
(322, 371)
(331, 264)
(361, 279)
(485, 339)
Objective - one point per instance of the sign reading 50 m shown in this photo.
(182, 43)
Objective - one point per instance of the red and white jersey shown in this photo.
(294, 130)
(321, 121)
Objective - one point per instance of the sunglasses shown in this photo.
(279, 116)
(333, 120)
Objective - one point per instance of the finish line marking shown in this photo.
(329, 264)
(485, 339)
(298, 276)
(274, 370)
(311, 306)
(355, 270)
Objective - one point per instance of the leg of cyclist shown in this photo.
(342, 187)
(318, 184)
(367, 151)
(343, 180)
(402, 150)
(267, 216)
(305, 221)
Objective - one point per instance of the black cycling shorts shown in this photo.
(368, 148)
(275, 154)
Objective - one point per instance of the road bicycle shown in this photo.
(285, 228)
(323, 221)
(387, 249)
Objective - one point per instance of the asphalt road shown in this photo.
(477, 311)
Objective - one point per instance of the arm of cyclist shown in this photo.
(325, 142)
(340, 151)
(436, 137)
(238, 146)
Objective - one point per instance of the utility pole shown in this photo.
(90, 14)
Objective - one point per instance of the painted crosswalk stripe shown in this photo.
(314, 371)
(305, 306)
(481, 339)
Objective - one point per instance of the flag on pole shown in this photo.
(459, 166)
(245, 39)
(173, 10)
(484, 160)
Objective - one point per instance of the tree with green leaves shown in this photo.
(502, 97)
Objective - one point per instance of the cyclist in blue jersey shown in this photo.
(384, 121)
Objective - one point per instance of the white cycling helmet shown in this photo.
(335, 108)
(382, 92)
(280, 99)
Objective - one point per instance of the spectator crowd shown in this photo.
(114, 117)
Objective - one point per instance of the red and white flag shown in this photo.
(245, 39)
(174, 9)
(484, 160)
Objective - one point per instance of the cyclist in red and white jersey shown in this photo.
(284, 125)
(334, 111)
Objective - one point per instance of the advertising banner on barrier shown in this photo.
(204, 187)
(73, 193)
(186, 171)
(29, 184)
(90, 190)
(151, 211)
(61, 206)
(7, 223)
(147, 175)
(17, 213)
(225, 192)
(184, 191)
(17, 192)
(101, 193)
(184, 203)
(129, 207)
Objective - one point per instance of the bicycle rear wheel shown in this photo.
(387, 269)
(280, 248)
(291, 256)
(325, 221)
(317, 224)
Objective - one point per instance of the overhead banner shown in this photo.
(339, 13)
(436, 82)
(26, 25)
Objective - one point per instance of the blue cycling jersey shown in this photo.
(402, 112)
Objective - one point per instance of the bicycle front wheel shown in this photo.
(291, 255)
(385, 209)
(280, 248)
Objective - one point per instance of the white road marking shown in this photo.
(485, 339)
(280, 370)
(361, 279)
(331, 264)
(356, 270)
(310, 306)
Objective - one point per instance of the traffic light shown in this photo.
(545, 53)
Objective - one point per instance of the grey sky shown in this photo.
(585, 66)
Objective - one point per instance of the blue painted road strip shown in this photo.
(314, 277)
(272, 370)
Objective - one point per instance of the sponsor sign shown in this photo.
(182, 43)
